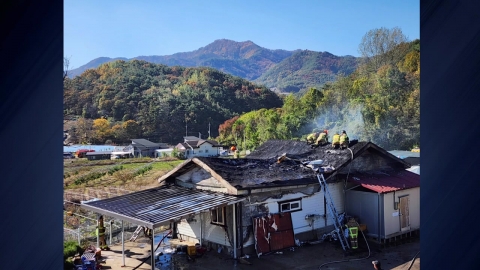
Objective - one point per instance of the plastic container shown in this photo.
(191, 250)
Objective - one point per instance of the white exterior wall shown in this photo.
(336, 191)
(390, 215)
(209, 232)
(206, 150)
(311, 205)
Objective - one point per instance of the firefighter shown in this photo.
(353, 232)
(101, 234)
(312, 137)
(322, 138)
(344, 140)
(336, 140)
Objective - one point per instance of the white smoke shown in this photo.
(347, 116)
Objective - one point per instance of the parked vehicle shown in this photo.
(81, 153)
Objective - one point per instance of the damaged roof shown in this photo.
(300, 150)
(260, 169)
(384, 183)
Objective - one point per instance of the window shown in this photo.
(200, 151)
(290, 206)
(218, 216)
(206, 150)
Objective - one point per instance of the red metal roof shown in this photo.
(384, 183)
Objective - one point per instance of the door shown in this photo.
(273, 232)
(404, 213)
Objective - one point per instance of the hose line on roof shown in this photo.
(351, 260)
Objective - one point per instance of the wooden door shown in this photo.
(404, 213)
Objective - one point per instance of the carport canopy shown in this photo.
(158, 206)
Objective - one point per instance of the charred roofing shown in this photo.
(260, 169)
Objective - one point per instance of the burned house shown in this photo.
(265, 202)
(286, 194)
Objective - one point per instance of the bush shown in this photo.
(114, 169)
(143, 170)
(70, 248)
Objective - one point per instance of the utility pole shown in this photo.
(209, 130)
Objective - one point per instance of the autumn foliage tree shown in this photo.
(101, 130)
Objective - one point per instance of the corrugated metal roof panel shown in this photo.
(384, 183)
(153, 207)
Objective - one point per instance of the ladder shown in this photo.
(136, 233)
(333, 211)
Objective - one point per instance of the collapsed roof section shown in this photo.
(337, 158)
(261, 168)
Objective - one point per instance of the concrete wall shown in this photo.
(392, 217)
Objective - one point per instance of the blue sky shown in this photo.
(162, 27)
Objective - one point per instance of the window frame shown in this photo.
(290, 202)
(215, 222)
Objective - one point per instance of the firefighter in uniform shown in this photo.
(344, 140)
(311, 138)
(353, 232)
(336, 140)
(101, 234)
(322, 139)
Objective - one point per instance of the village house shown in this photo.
(144, 148)
(195, 147)
(258, 204)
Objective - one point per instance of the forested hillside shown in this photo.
(378, 102)
(306, 69)
(122, 100)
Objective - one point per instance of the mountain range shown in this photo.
(280, 70)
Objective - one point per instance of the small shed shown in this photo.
(387, 203)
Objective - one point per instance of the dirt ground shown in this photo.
(326, 255)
